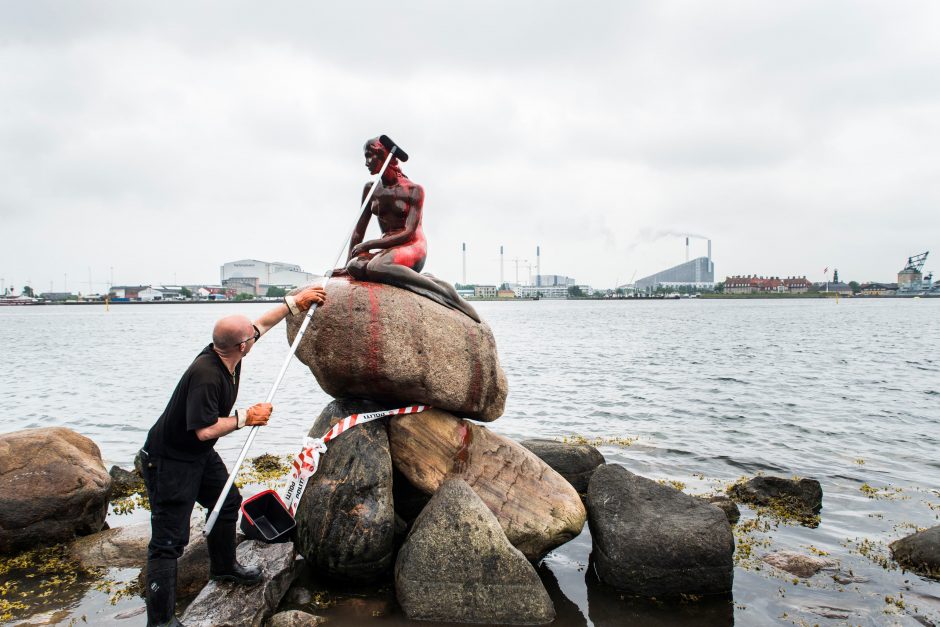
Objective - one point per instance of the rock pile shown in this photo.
(377, 347)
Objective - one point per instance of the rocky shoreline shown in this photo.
(452, 517)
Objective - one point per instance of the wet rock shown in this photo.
(225, 604)
(801, 497)
(836, 613)
(575, 462)
(137, 611)
(53, 487)
(294, 618)
(192, 571)
(653, 540)
(847, 578)
(458, 566)
(726, 505)
(380, 342)
(124, 482)
(797, 563)
(346, 518)
(536, 507)
(121, 547)
(919, 552)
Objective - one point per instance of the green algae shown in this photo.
(268, 470)
(37, 576)
(598, 441)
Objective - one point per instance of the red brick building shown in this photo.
(756, 284)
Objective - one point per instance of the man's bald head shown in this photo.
(231, 331)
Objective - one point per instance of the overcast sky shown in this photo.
(161, 140)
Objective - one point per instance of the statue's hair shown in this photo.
(376, 145)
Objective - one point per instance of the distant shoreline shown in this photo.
(815, 295)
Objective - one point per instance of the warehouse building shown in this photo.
(251, 276)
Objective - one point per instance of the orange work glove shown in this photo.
(302, 300)
(255, 416)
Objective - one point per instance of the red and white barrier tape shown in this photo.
(307, 461)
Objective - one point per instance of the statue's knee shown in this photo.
(356, 268)
(377, 266)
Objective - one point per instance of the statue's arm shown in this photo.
(359, 231)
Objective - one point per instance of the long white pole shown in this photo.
(210, 523)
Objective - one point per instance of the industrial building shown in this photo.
(698, 274)
(911, 281)
(251, 276)
(553, 280)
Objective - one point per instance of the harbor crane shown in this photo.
(916, 262)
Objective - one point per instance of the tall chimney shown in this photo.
(711, 266)
(464, 263)
(538, 266)
(686, 248)
(501, 281)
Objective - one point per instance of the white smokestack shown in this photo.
(538, 266)
(501, 281)
(687, 249)
(464, 263)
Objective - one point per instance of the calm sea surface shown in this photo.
(845, 392)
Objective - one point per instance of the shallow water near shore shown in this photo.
(699, 393)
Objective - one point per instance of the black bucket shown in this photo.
(265, 518)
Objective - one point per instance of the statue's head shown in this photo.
(376, 154)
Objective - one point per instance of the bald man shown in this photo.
(181, 467)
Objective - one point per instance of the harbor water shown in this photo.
(698, 393)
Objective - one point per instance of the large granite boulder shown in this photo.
(536, 507)
(796, 498)
(458, 566)
(53, 487)
(653, 540)
(919, 552)
(574, 462)
(346, 517)
(380, 342)
(225, 604)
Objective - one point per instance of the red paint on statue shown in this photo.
(398, 256)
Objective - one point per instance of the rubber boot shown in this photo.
(161, 593)
(222, 563)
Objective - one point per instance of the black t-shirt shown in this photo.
(206, 392)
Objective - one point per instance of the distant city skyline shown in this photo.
(160, 139)
(527, 274)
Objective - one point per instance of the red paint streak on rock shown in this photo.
(462, 456)
(374, 330)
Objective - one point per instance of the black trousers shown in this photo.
(174, 487)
